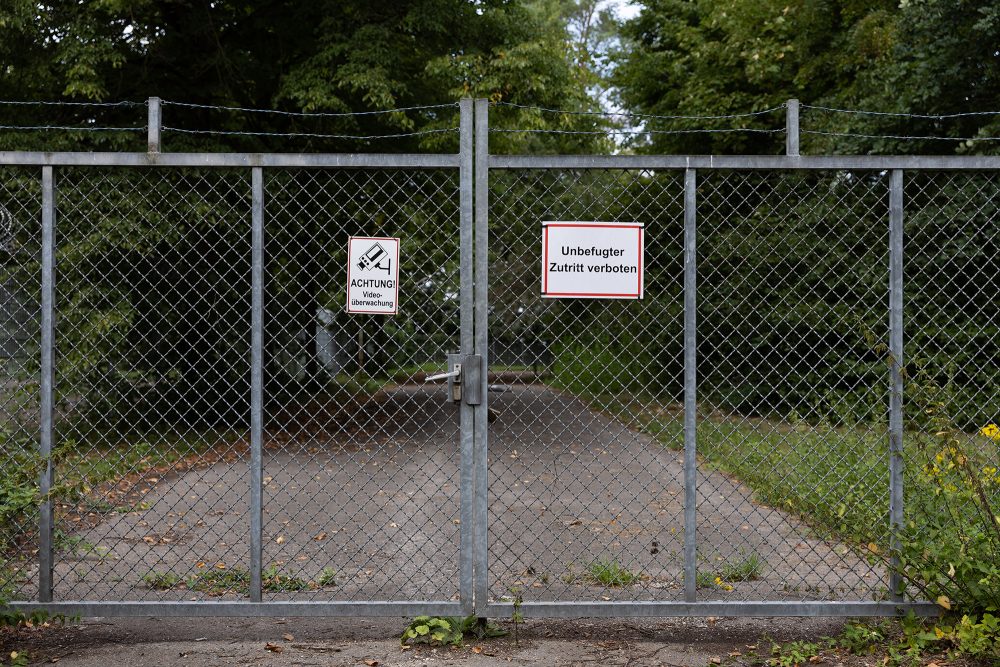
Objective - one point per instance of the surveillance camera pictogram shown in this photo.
(376, 258)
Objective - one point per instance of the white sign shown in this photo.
(372, 275)
(592, 260)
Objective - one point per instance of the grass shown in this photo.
(162, 581)
(836, 478)
(218, 582)
(748, 569)
(328, 577)
(610, 573)
(275, 582)
(704, 579)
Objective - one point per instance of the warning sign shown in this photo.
(372, 275)
(595, 260)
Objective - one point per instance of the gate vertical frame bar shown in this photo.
(896, 516)
(466, 413)
(46, 388)
(481, 345)
(690, 386)
(257, 384)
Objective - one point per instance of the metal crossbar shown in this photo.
(203, 430)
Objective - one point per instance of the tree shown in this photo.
(720, 57)
(153, 266)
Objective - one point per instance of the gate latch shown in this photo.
(454, 377)
(464, 371)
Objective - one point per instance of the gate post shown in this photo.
(46, 399)
(256, 383)
(896, 371)
(481, 348)
(466, 418)
(690, 388)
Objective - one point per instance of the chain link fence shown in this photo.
(226, 439)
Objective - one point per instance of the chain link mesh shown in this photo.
(152, 370)
(952, 345)
(793, 395)
(20, 287)
(361, 464)
(586, 483)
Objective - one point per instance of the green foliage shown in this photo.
(793, 654)
(911, 639)
(949, 548)
(275, 582)
(436, 630)
(749, 568)
(516, 616)
(713, 57)
(325, 56)
(18, 484)
(861, 638)
(703, 579)
(162, 580)
(219, 582)
(609, 572)
(975, 636)
(328, 577)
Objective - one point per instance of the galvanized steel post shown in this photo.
(690, 387)
(46, 381)
(153, 124)
(896, 390)
(256, 383)
(466, 413)
(792, 127)
(481, 340)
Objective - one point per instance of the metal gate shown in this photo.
(217, 437)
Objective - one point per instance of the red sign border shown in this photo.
(603, 225)
(347, 304)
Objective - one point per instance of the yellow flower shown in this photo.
(991, 431)
(723, 585)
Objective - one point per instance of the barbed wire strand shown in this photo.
(628, 132)
(309, 134)
(71, 104)
(748, 114)
(901, 114)
(298, 114)
(898, 136)
(73, 128)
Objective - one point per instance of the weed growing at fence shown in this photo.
(220, 582)
(516, 616)
(441, 630)
(273, 581)
(748, 569)
(704, 579)
(162, 581)
(328, 577)
(611, 573)
(793, 654)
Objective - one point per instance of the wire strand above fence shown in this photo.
(318, 114)
(615, 114)
(312, 135)
(862, 112)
